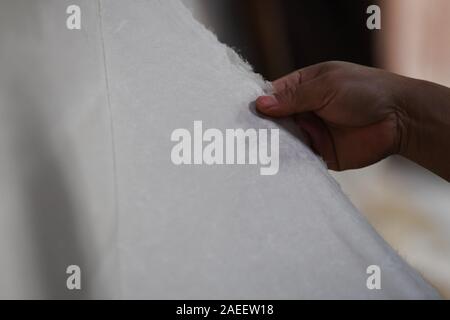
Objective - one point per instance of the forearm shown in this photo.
(426, 126)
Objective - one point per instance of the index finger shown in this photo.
(298, 77)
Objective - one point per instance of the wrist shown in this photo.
(424, 122)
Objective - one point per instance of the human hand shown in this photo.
(352, 115)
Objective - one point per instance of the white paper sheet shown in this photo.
(87, 118)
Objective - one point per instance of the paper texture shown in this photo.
(87, 176)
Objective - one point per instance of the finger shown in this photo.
(363, 146)
(320, 138)
(297, 92)
(299, 77)
(309, 96)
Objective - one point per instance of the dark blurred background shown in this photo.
(279, 36)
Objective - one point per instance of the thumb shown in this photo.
(298, 92)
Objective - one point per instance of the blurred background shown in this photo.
(407, 205)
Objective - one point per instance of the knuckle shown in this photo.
(299, 76)
(289, 91)
(333, 80)
(331, 65)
